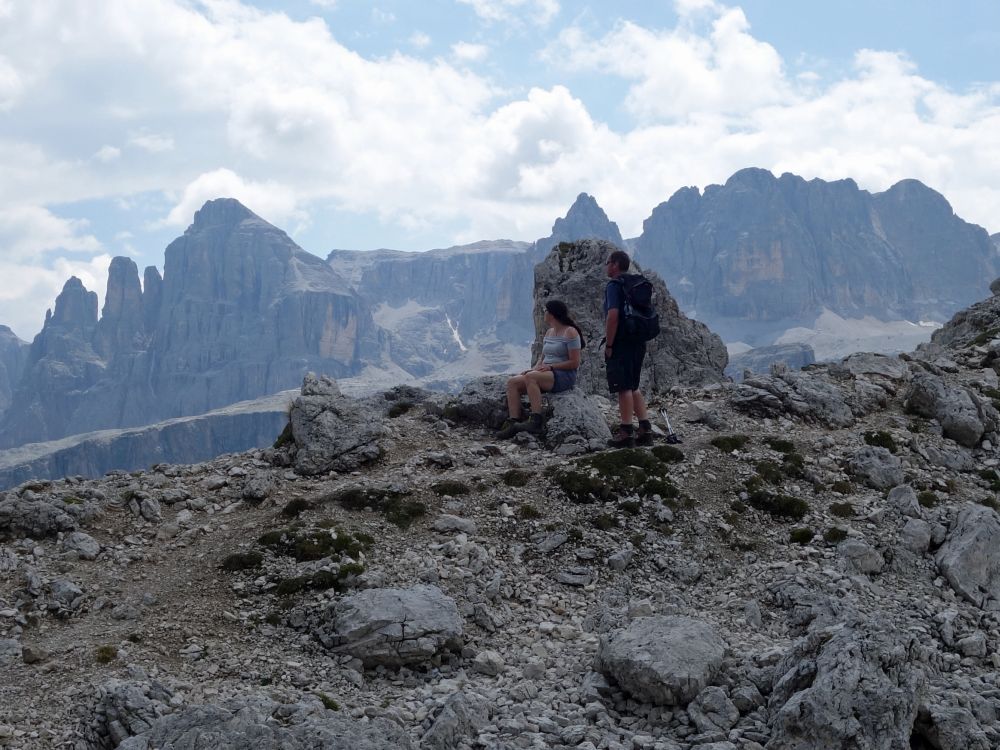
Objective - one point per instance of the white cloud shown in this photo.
(419, 40)
(283, 116)
(29, 290)
(11, 84)
(382, 16)
(152, 142)
(27, 233)
(539, 12)
(468, 52)
(107, 153)
(274, 202)
(327, 4)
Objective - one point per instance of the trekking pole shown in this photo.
(672, 436)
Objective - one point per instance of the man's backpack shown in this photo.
(639, 320)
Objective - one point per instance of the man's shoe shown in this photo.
(510, 428)
(622, 438)
(534, 424)
(644, 437)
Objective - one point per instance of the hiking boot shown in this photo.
(622, 438)
(510, 428)
(644, 436)
(534, 424)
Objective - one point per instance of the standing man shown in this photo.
(623, 359)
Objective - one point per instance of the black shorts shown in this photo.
(625, 366)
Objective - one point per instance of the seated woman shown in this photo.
(555, 370)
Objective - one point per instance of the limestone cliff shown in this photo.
(241, 311)
(13, 353)
(761, 250)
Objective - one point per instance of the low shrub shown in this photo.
(515, 477)
(842, 510)
(880, 439)
(295, 507)
(106, 654)
(450, 487)
(802, 535)
(529, 512)
(834, 535)
(780, 444)
(843, 487)
(928, 499)
(399, 408)
(730, 443)
(778, 505)
(632, 507)
(669, 454)
(604, 521)
(242, 561)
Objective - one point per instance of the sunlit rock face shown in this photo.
(763, 250)
(240, 311)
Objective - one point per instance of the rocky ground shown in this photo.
(816, 566)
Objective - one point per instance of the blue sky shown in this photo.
(415, 125)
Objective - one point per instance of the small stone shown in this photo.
(488, 663)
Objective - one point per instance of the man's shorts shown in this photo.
(625, 366)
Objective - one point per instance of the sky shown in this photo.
(410, 125)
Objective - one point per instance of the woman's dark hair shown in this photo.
(558, 310)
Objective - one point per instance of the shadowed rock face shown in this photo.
(240, 312)
(763, 249)
(685, 352)
(13, 353)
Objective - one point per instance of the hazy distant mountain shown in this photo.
(761, 253)
(241, 311)
(13, 353)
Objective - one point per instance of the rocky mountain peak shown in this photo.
(584, 220)
(121, 326)
(75, 308)
(221, 211)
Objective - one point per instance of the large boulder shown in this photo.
(686, 352)
(574, 414)
(33, 517)
(846, 687)
(964, 416)
(969, 559)
(461, 717)
(392, 627)
(876, 467)
(136, 716)
(665, 660)
(332, 432)
(806, 395)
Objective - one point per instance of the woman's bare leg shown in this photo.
(535, 383)
(515, 387)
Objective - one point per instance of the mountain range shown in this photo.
(240, 311)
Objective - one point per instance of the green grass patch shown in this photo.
(72, 500)
(843, 487)
(580, 487)
(242, 561)
(515, 477)
(770, 472)
(604, 521)
(842, 510)
(450, 487)
(986, 336)
(399, 408)
(529, 512)
(780, 444)
(990, 502)
(669, 454)
(631, 507)
(928, 499)
(328, 703)
(880, 439)
(730, 443)
(403, 513)
(664, 488)
(802, 535)
(834, 535)
(778, 505)
(106, 654)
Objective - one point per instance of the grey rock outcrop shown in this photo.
(666, 660)
(969, 559)
(964, 415)
(684, 353)
(332, 432)
(805, 395)
(461, 717)
(760, 359)
(34, 517)
(764, 251)
(575, 415)
(136, 716)
(876, 467)
(392, 627)
(845, 686)
(241, 312)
